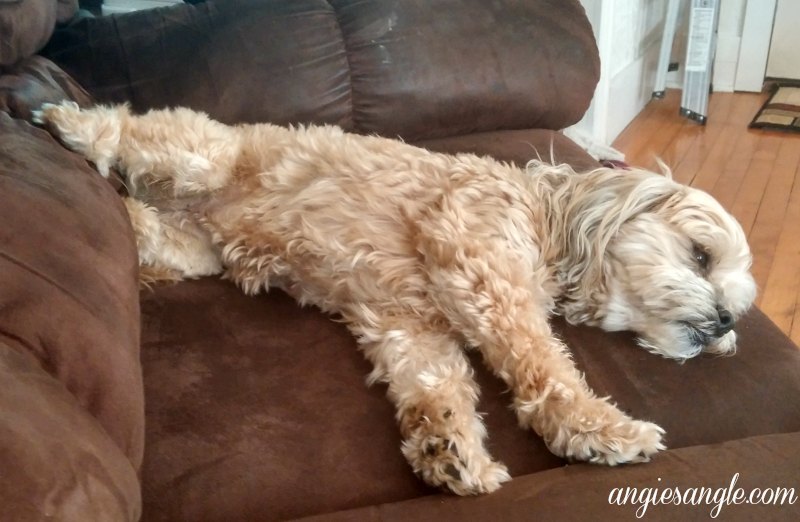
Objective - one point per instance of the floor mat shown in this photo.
(781, 111)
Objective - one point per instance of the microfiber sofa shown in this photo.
(193, 402)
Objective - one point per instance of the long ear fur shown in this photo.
(586, 211)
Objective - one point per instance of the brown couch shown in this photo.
(193, 402)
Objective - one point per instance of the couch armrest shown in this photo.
(68, 279)
(34, 81)
(56, 461)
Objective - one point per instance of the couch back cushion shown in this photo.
(424, 69)
(26, 25)
(413, 69)
(238, 60)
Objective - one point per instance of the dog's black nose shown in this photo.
(726, 322)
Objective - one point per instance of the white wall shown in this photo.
(593, 13)
(751, 64)
(628, 34)
(784, 50)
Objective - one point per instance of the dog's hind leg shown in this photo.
(495, 301)
(431, 384)
(170, 247)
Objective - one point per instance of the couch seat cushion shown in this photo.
(257, 409)
(581, 493)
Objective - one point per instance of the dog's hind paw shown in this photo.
(454, 464)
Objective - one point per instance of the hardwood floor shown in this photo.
(755, 174)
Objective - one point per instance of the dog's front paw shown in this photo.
(65, 121)
(454, 463)
(38, 117)
(725, 345)
(602, 434)
(93, 133)
(52, 112)
(626, 441)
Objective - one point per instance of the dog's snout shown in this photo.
(725, 323)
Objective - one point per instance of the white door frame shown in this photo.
(754, 48)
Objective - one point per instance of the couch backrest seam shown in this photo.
(349, 67)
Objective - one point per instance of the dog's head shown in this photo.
(650, 255)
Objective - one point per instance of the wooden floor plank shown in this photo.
(713, 165)
(701, 140)
(641, 126)
(779, 297)
(769, 219)
(751, 191)
(653, 126)
(735, 168)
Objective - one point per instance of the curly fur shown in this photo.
(421, 253)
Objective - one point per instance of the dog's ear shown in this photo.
(599, 203)
(664, 168)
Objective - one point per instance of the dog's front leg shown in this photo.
(94, 133)
(497, 303)
(430, 382)
(179, 152)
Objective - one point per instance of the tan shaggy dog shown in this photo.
(423, 253)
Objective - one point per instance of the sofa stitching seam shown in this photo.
(349, 67)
